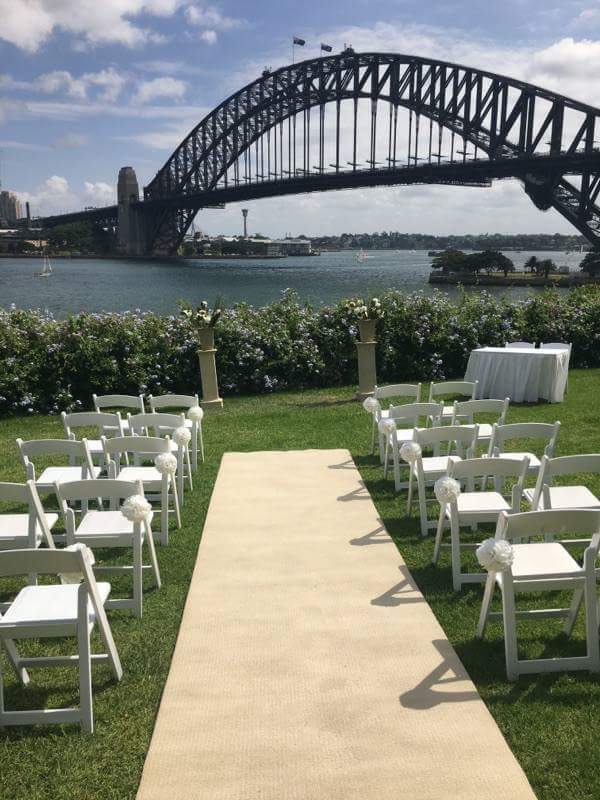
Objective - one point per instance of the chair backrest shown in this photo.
(74, 449)
(173, 401)
(524, 430)
(464, 436)
(563, 465)
(468, 408)
(445, 388)
(140, 445)
(101, 420)
(555, 346)
(410, 413)
(521, 345)
(27, 494)
(399, 390)
(118, 401)
(109, 489)
(471, 468)
(548, 524)
(156, 421)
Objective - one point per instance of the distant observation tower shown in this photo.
(245, 216)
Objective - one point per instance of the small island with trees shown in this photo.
(493, 268)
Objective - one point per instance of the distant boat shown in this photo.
(46, 269)
(362, 255)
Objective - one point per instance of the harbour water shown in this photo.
(121, 285)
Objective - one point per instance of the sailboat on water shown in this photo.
(362, 256)
(46, 268)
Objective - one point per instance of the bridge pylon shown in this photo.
(130, 225)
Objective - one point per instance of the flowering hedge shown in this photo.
(49, 364)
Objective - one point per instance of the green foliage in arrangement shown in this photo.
(47, 364)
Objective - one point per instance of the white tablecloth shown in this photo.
(523, 375)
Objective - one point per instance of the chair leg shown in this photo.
(153, 558)
(573, 611)
(455, 547)
(195, 448)
(488, 594)
(438, 535)
(137, 573)
(386, 456)
(591, 622)
(396, 466)
(189, 468)
(164, 511)
(373, 430)
(176, 503)
(85, 679)
(509, 614)
(14, 658)
(201, 442)
(410, 492)
(423, 509)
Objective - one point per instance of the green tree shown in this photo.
(531, 264)
(450, 261)
(591, 263)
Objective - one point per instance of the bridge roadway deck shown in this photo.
(308, 665)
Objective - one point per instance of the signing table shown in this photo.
(524, 375)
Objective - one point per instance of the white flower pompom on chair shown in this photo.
(548, 495)
(426, 470)
(159, 481)
(163, 424)
(70, 610)
(399, 427)
(468, 507)
(408, 391)
(516, 565)
(126, 525)
(194, 415)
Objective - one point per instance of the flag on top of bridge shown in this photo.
(326, 47)
(299, 41)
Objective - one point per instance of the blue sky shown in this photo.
(87, 86)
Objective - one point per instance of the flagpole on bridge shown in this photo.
(296, 40)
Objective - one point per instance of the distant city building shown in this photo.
(295, 247)
(10, 207)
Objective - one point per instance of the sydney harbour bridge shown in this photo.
(360, 120)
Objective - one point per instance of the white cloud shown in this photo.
(29, 23)
(109, 80)
(58, 81)
(55, 196)
(209, 36)
(71, 141)
(171, 88)
(210, 17)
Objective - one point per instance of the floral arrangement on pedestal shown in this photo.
(202, 320)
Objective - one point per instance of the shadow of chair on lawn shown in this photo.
(404, 592)
(360, 493)
(377, 536)
(432, 690)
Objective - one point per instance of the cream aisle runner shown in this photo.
(308, 665)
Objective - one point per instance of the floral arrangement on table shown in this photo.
(48, 365)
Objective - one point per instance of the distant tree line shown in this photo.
(493, 261)
(392, 240)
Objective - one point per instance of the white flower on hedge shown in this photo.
(410, 451)
(495, 555)
(182, 436)
(371, 405)
(446, 490)
(387, 426)
(166, 463)
(195, 414)
(136, 508)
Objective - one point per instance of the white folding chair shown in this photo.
(105, 423)
(46, 478)
(545, 566)
(474, 507)
(521, 345)
(425, 470)
(466, 410)
(407, 417)
(19, 530)
(501, 434)
(194, 416)
(410, 391)
(119, 402)
(111, 530)
(163, 425)
(56, 611)
(445, 389)
(559, 346)
(159, 480)
(546, 495)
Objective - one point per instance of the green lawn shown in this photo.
(552, 723)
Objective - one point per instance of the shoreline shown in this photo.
(520, 279)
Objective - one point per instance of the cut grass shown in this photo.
(552, 722)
